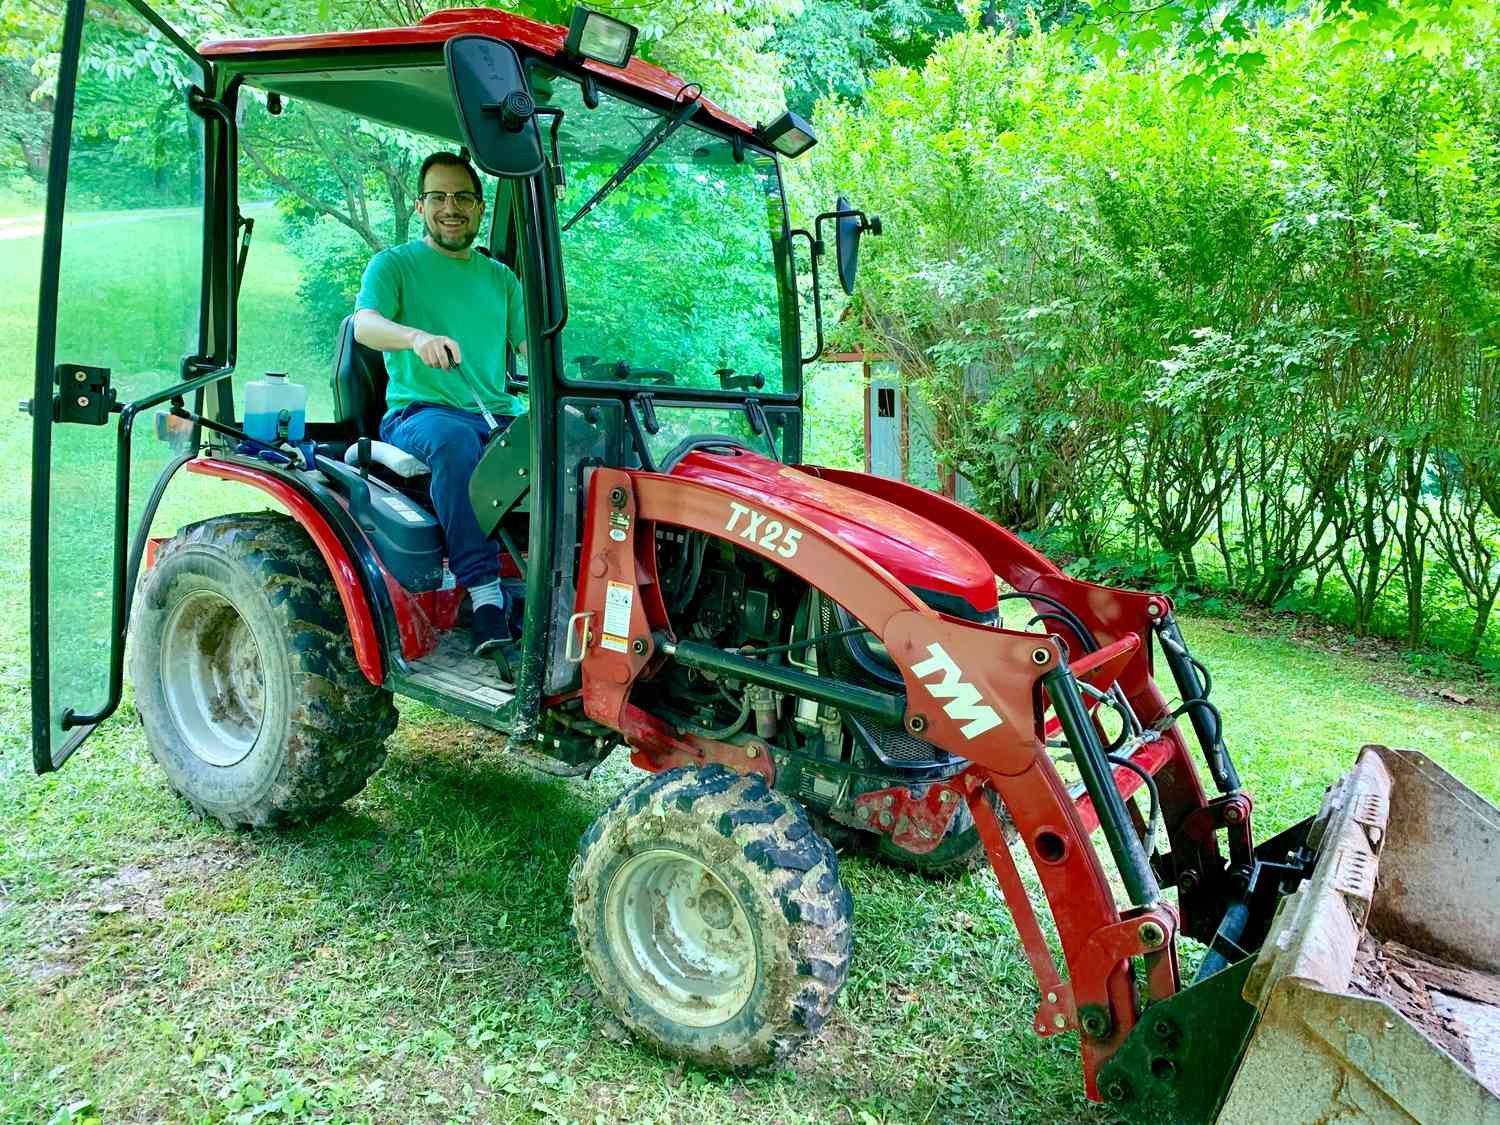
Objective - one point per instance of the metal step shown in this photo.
(451, 671)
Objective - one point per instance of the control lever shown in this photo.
(484, 410)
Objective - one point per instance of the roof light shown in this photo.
(592, 35)
(789, 135)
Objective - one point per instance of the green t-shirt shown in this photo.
(476, 300)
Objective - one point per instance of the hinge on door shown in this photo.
(83, 394)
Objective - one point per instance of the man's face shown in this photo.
(450, 225)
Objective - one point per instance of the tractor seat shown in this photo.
(359, 382)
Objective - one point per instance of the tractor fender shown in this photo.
(310, 514)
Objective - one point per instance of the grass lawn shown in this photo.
(15, 207)
(409, 959)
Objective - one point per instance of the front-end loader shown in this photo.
(793, 653)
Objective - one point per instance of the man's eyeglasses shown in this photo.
(464, 200)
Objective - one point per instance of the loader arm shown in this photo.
(970, 689)
(1157, 1047)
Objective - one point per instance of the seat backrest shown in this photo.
(359, 380)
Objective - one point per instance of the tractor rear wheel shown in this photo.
(245, 677)
(711, 917)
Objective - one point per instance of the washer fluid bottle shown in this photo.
(275, 408)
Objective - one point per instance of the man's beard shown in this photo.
(447, 241)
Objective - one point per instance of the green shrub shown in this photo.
(1251, 333)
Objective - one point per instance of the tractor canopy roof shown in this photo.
(396, 74)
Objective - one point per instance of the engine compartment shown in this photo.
(718, 594)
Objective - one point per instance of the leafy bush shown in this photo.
(333, 261)
(1252, 333)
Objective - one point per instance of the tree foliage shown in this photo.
(834, 45)
(1256, 326)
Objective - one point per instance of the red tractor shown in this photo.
(796, 654)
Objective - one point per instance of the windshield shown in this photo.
(672, 429)
(671, 277)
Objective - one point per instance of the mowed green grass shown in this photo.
(410, 960)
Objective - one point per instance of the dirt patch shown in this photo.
(136, 891)
(1453, 1006)
(1466, 686)
(142, 888)
(43, 972)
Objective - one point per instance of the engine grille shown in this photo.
(898, 746)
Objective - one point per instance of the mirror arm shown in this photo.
(814, 249)
(559, 177)
(832, 216)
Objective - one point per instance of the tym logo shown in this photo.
(963, 697)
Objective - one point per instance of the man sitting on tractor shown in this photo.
(432, 304)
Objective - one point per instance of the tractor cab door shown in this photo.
(124, 325)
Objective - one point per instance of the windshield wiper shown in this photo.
(649, 144)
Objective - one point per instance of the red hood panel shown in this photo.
(917, 551)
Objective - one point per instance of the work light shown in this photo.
(789, 135)
(592, 35)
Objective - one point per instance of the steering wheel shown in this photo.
(709, 443)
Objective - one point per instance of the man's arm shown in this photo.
(375, 331)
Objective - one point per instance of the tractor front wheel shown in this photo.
(712, 918)
(245, 678)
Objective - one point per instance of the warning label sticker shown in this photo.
(619, 599)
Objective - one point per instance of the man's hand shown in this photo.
(436, 351)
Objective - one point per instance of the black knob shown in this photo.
(516, 110)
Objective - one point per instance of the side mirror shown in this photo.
(848, 225)
(494, 106)
(846, 231)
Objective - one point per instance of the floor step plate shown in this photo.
(451, 670)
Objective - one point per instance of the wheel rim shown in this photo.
(212, 678)
(683, 941)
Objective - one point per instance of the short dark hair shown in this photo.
(456, 161)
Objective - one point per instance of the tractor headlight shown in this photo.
(789, 135)
(592, 35)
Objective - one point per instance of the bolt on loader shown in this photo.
(795, 654)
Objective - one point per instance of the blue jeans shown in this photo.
(450, 441)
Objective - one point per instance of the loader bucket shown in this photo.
(1377, 990)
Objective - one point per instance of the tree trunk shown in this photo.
(1481, 624)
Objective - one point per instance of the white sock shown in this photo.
(488, 594)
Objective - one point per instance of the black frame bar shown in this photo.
(1099, 782)
(198, 372)
(44, 759)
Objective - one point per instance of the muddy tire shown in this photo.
(711, 917)
(245, 677)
